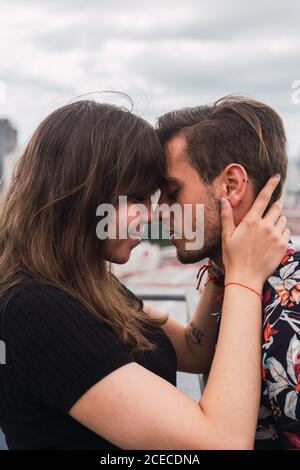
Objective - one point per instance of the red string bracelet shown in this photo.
(215, 275)
(247, 287)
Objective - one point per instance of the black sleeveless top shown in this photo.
(55, 350)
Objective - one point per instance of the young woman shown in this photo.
(86, 366)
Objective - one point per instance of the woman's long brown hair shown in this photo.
(83, 154)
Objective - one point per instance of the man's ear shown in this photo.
(235, 180)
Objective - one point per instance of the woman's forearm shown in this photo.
(235, 371)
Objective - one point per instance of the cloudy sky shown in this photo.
(164, 54)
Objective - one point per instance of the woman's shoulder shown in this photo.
(40, 304)
(51, 342)
(33, 292)
(43, 313)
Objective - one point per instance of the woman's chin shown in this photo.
(123, 254)
(122, 259)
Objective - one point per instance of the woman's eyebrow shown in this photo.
(173, 182)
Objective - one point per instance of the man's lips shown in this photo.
(175, 235)
(172, 230)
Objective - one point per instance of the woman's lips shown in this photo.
(137, 234)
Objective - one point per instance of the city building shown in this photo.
(8, 142)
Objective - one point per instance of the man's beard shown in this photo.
(212, 247)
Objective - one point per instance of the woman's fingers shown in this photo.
(253, 250)
(286, 236)
(281, 224)
(261, 202)
(228, 225)
(274, 212)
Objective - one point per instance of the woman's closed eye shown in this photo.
(137, 199)
(172, 195)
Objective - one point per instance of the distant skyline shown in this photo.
(165, 55)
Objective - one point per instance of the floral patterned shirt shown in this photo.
(279, 417)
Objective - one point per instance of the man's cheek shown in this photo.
(194, 228)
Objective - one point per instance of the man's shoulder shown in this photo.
(289, 264)
(284, 282)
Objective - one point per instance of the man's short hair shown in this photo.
(234, 129)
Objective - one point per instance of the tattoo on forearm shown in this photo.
(194, 335)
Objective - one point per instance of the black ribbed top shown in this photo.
(55, 351)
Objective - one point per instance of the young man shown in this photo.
(229, 150)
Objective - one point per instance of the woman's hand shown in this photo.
(253, 250)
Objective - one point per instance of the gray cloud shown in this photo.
(165, 54)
